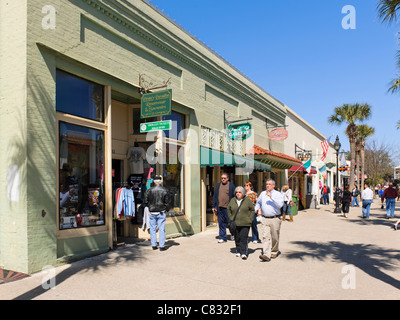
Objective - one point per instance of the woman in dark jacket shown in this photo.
(244, 219)
(346, 200)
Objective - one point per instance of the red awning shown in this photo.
(302, 169)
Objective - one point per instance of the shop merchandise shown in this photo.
(136, 155)
(124, 203)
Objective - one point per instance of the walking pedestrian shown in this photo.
(268, 206)
(355, 192)
(158, 201)
(390, 194)
(287, 203)
(325, 194)
(252, 195)
(223, 193)
(241, 210)
(346, 199)
(366, 196)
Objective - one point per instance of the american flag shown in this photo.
(325, 147)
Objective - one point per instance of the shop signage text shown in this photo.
(239, 132)
(278, 134)
(155, 104)
(156, 126)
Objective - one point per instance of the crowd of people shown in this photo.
(240, 209)
(387, 195)
(263, 214)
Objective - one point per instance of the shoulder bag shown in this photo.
(231, 224)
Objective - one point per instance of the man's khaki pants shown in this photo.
(270, 229)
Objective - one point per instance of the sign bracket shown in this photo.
(145, 86)
(227, 123)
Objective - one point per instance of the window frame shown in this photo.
(104, 126)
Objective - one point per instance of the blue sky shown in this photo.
(298, 52)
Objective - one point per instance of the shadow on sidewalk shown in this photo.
(371, 259)
(90, 264)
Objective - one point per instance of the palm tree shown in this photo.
(364, 132)
(388, 13)
(351, 114)
(387, 10)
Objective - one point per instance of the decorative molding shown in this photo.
(235, 86)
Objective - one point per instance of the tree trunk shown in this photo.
(357, 173)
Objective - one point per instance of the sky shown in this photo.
(299, 52)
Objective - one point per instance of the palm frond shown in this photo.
(387, 10)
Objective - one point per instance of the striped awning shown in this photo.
(212, 157)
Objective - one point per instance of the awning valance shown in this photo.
(274, 159)
(211, 158)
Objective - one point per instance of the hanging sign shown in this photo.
(155, 104)
(278, 134)
(239, 132)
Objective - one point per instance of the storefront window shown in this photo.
(178, 124)
(173, 179)
(79, 97)
(137, 120)
(81, 176)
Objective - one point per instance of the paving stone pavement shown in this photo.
(323, 256)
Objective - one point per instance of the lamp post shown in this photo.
(337, 146)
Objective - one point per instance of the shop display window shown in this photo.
(173, 179)
(81, 176)
(178, 124)
(79, 97)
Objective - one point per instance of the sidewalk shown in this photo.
(323, 256)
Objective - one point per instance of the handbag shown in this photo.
(231, 224)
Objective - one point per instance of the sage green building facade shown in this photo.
(122, 46)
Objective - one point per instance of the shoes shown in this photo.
(163, 248)
(264, 257)
(155, 248)
(275, 254)
(244, 257)
(221, 240)
(238, 254)
(255, 241)
(395, 227)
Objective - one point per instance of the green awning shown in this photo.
(211, 158)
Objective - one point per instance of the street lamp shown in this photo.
(337, 146)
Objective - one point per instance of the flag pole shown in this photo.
(295, 171)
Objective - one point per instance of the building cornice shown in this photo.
(185, 48)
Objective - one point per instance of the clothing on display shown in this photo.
(136, 155)
(124, 203)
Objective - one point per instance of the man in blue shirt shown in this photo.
(268, 206)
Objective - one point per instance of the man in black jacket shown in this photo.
(157, 200)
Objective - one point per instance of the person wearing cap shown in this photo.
(157, 199)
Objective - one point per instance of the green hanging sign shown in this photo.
(155, 104)
(239, 132)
